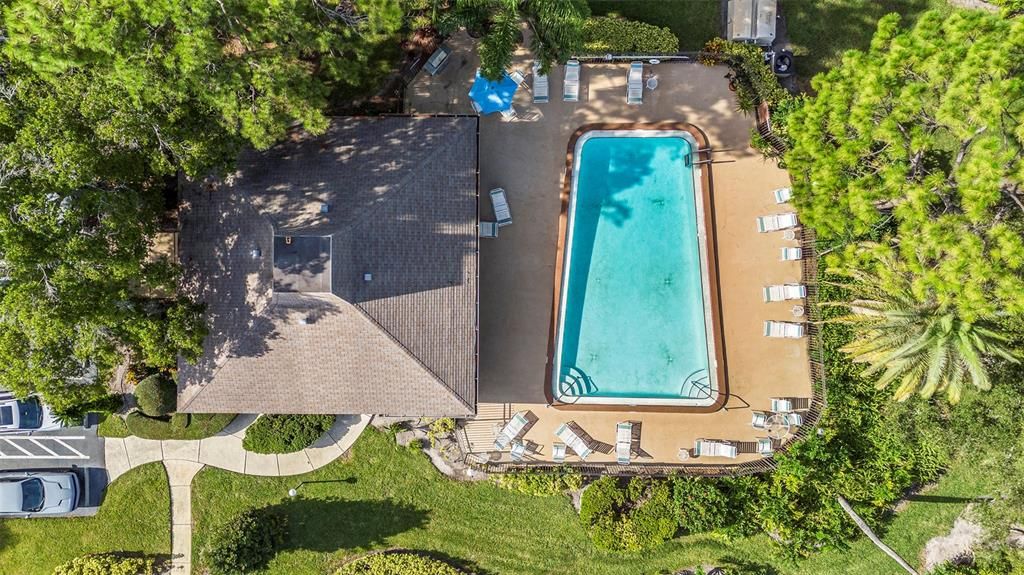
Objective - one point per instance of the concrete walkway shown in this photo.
(184, 459)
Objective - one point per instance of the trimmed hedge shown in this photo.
(107, 565)
(285, 433)
(397, 564)
(607, 35)
(246, 543)
(178, 426)
(540, 483)
(157, 395)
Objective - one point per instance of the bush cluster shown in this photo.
(246, 543)
(607, 35)
(397, 564)
(753, 78)
(285, 433)
(541, 483)
(107, 565)
(636, 517)
(157, 395)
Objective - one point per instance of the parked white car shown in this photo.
(38, 493)
(26, 415)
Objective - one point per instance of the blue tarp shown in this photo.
(491, 96)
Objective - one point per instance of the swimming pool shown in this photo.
(635, 314)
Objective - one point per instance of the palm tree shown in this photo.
(917, 344)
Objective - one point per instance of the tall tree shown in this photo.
(251, 67)
(920, 140)
(557, 27)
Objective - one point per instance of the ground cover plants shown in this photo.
(285, 433)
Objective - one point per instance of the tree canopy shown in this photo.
(251, 68)
(918, 142)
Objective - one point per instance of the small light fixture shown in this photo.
(293, 492)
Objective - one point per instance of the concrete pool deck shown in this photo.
(517, 270)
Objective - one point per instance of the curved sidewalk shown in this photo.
(225, 450)
(183, 459)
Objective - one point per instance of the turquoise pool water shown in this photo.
(633, 324)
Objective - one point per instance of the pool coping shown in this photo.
(703, 153)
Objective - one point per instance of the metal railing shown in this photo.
(816, 407)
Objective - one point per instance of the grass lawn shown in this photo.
(822, 30)
(135, 517)
(693, 21)
(388, 496)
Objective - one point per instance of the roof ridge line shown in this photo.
(411, 355)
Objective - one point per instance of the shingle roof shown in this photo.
(403, 207)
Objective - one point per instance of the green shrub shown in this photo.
(157, 395)
(246, 543)
(607, 35)
(540, 483)
(754, 80)
(285, 433)
(440, 427)
(179, 421)
(107, 565)
(397, 564)
(701, 504)
(641, 516)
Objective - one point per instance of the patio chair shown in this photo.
(540, 85)
(558, 452)
(518, 78)
(511, 431)
(501, 209)
(781, 405)
(476, 107)
(783, 329)
(623, 442)
(792, 254)
(782, 195)
(518, 451)
(488, 229)
(509, 113)
(794, 419)
(785, 292)
(710, 448)
(764, 446)
(760, 420)
(574, 441)
(777, 222)
(635, 84)
(571, 86)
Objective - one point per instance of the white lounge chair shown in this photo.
(518, 451)
(575, 442)
(783, 329)
(764, 446)
(488, 229)
(476, 107)
(501, 210)
(558, 452)
(540, 85)
(780, 405)
(509, 113)
(794, 419)
(785, 292)
(623, 442)
(571, 86)
(709, 448)
(777, 222)
(511, 431)
(635, 84)
(782, 195)
(760, 420)
(792, 254)
(518, 78)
